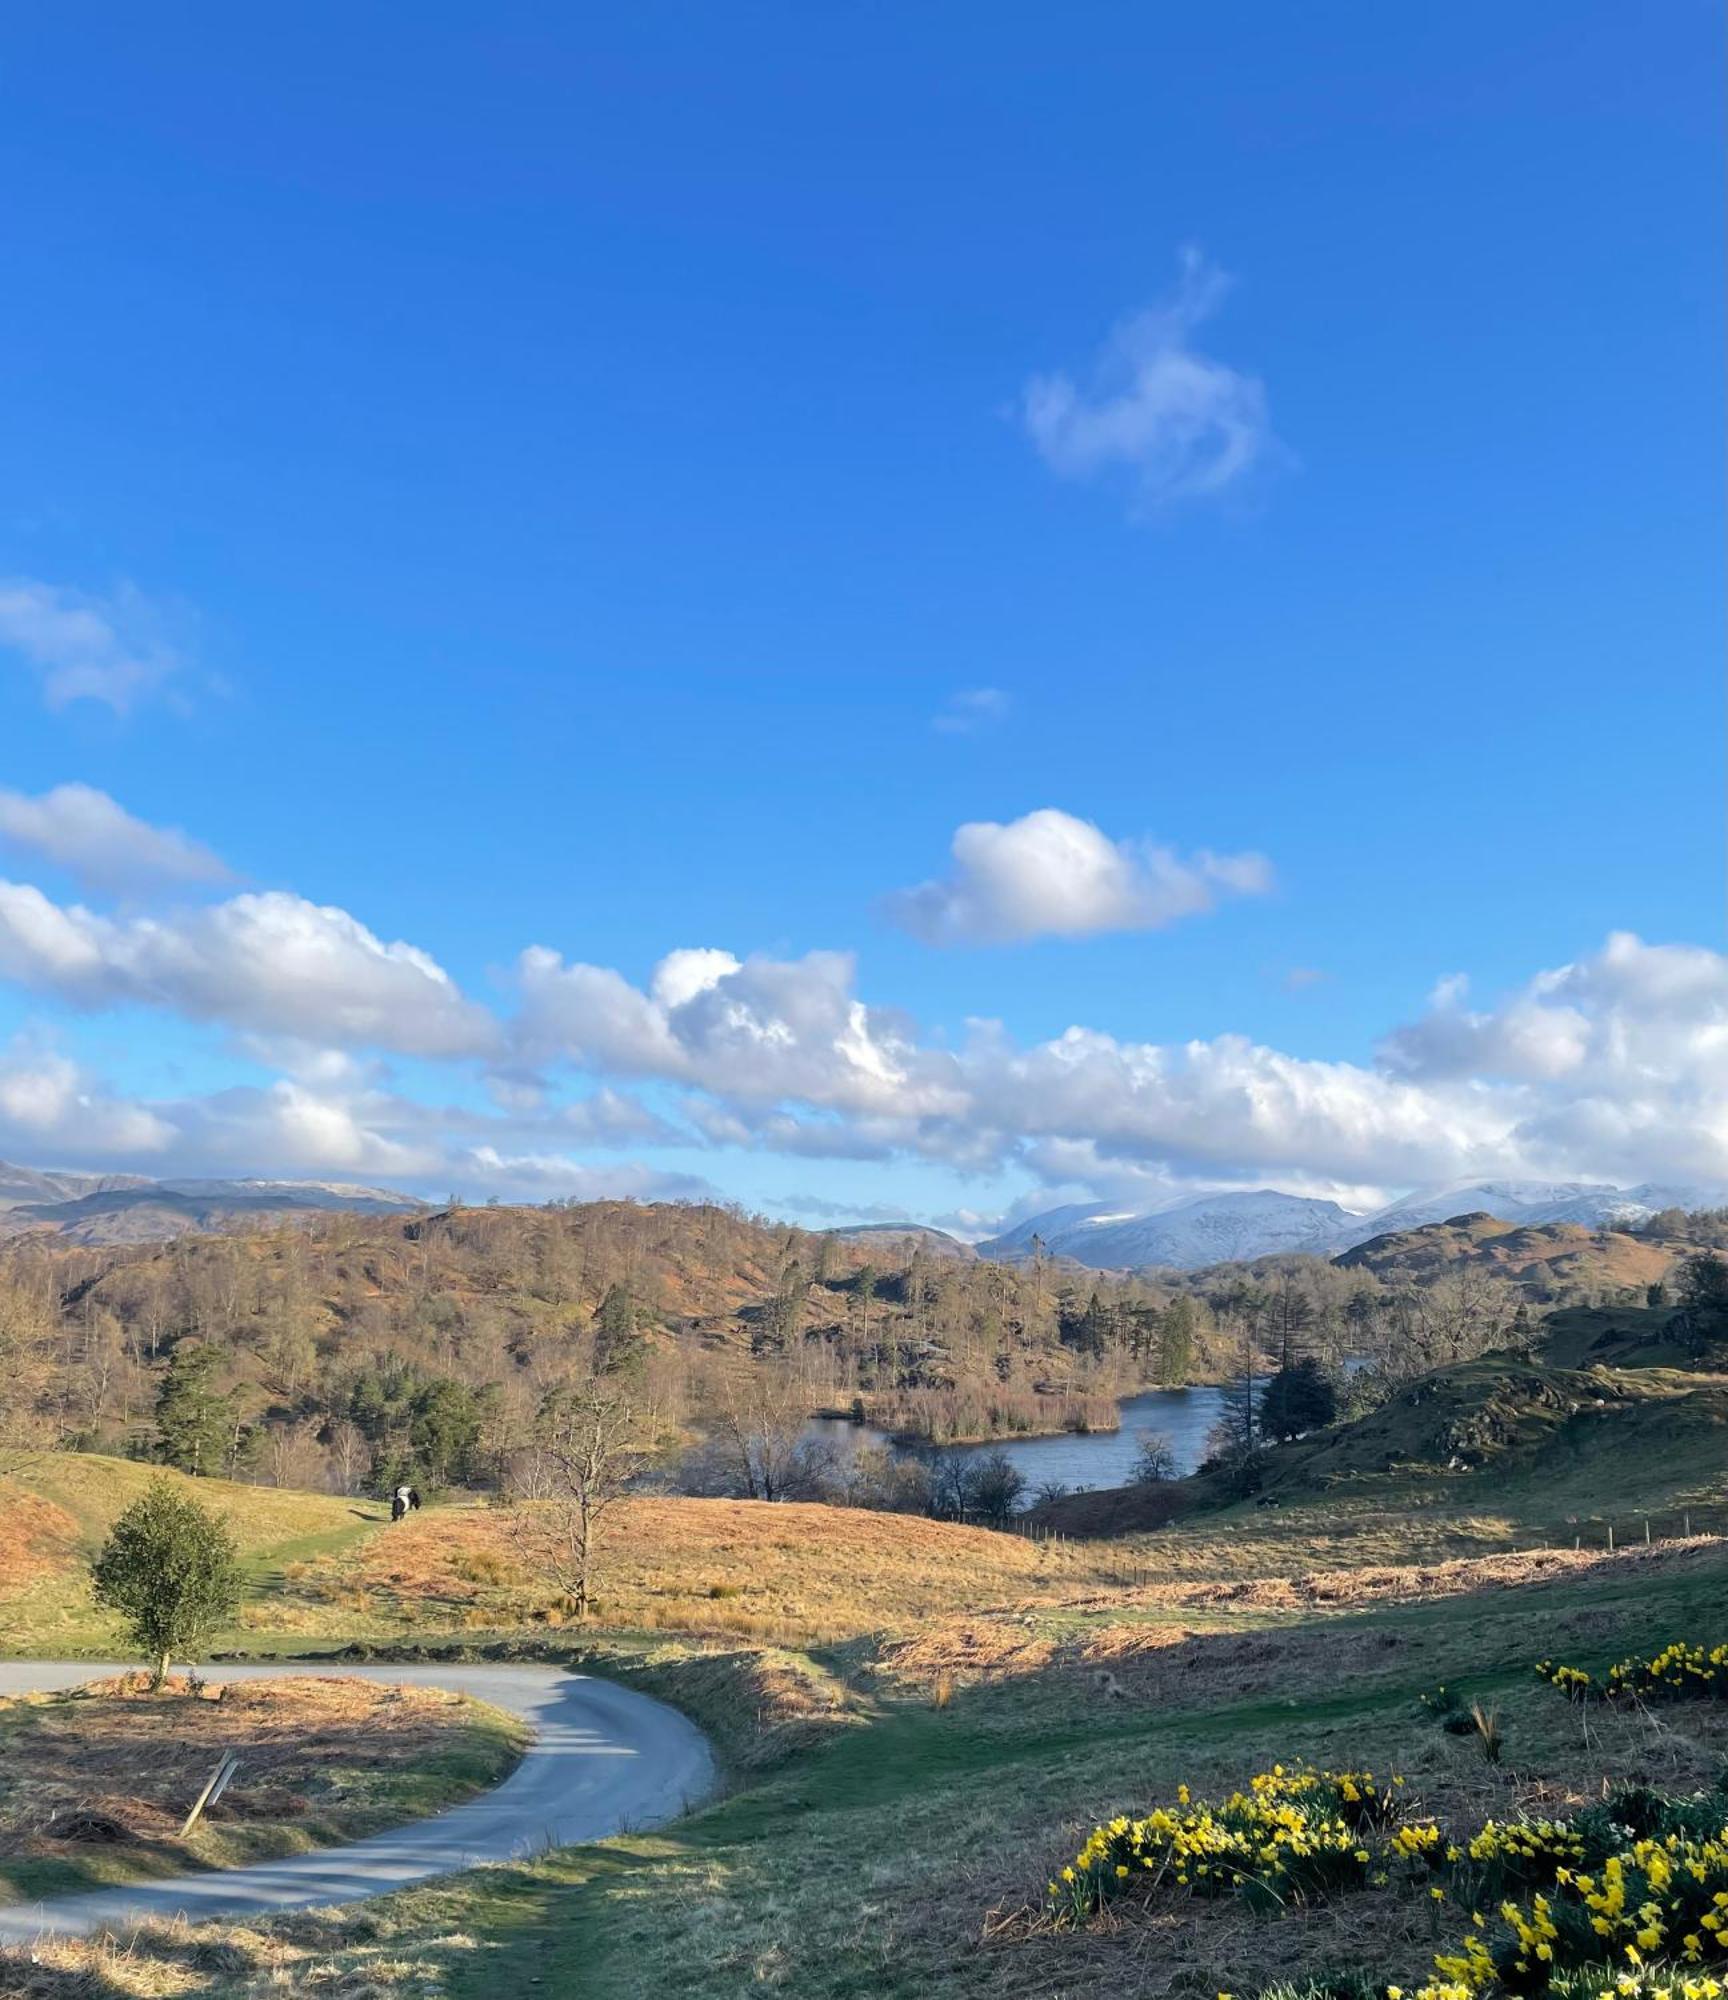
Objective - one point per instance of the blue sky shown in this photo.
(631, 484)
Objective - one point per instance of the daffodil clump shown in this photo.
(1597, 1985)
(1678, 1673)
(1513, 1854)
(1297, 1836)
(1647, 1905)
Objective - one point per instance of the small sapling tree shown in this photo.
(169, 1565)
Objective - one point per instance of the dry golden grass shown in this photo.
(38, 1538)
(780, 1574)
(1177, 1646)
(337, 1957)
(907, 1853)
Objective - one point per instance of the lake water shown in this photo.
(1098, 1458)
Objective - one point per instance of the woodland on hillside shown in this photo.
(346, 1351)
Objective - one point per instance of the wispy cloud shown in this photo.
(968, 710)
(1175, 423)
(82, 829)
(111, 650)
(1049, 874)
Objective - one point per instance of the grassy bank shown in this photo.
(901, 1847)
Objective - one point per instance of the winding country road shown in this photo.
(603, 1760)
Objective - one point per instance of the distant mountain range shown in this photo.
(130, 1208)
(1193, 1230)
(1180, 1234)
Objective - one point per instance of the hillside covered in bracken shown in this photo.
(344, 1341)
(337, 1350)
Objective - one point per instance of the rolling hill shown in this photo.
(1547, 1260)
(130, 1208)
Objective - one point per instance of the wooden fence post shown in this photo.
(218, 1783)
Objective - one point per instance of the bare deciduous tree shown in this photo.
(761, 1415)
(592, 1439)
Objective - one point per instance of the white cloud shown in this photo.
(608, 1117)
(969, 710)
(104, 649)
(1618, 1061)
(86, 832)
(1177, 424)
(758, 1030)
(556, 1177)
(50, 1107)
(1613, 1068)
(1049, 874)
(268, 963)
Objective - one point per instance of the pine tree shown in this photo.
(1178, 1327)
(618, 1342)
(196, 1425)
(1298, 1399)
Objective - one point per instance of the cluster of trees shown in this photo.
(1702, 1289)
(1705, 1227)
(351, 1352)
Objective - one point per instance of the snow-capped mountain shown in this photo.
(1192, 1230)
(1185, 1232)
(1590, 1203)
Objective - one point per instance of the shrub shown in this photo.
(169, 1566)
(1154, 1459)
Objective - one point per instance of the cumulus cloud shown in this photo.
(110, 649)
(84, 831)
(758, 1030)
(1175, 423)
(1612, 1067)
(610, 1117)
(269, 963)
(1049, 874)
(1615, 1068)
(50, 1108)
(1619, 1060)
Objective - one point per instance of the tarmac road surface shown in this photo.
(604, 1760)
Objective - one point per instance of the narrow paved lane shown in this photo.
(603, 1760)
